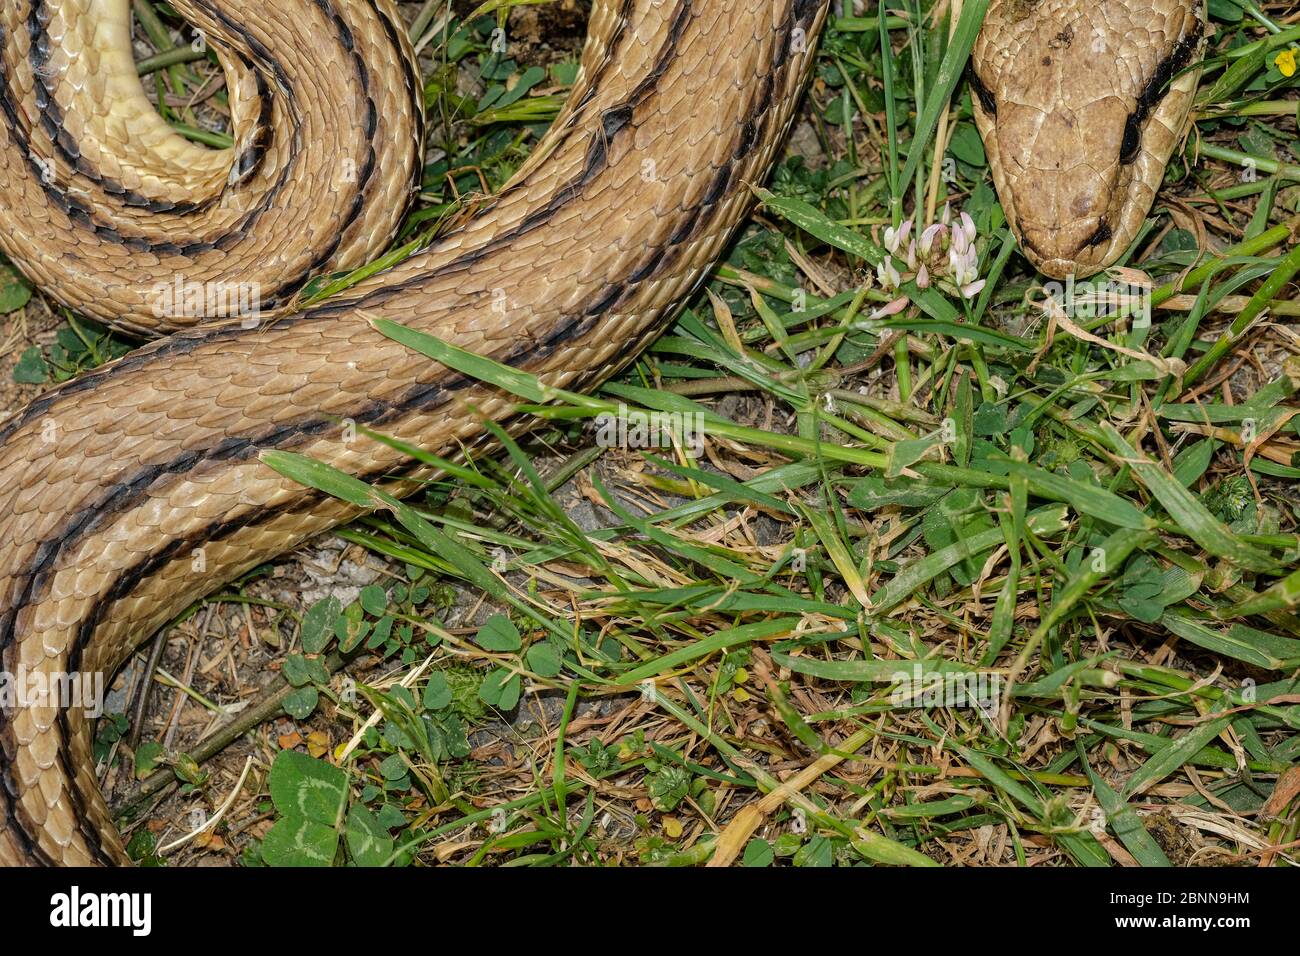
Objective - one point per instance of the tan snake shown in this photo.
(136, 488)
(1081, 103)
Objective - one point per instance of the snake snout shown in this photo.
(1058, 188)
(1065, 251)
(1064, 219)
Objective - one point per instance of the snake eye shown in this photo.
(982, 92)
(1156, 89)
(1103, 234)
(1132, 144)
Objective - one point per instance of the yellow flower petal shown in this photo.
(1287, 62)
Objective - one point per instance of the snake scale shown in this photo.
(131, 491)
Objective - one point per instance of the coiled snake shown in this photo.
(112, 485)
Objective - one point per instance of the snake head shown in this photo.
(1081, 104)
(1066, 201)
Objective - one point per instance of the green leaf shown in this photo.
(1044, 523)
(953, 328)
(544, 660)
(950, 74)
(881, 849)
(967, 145)
(500, 689)
(934, 808)
(368, 842)
(817, 852)
(530, 78)
(467, 363)
(1181, 751)
(147, 757)
(301, 671)
(390, 817)
(758, 853)
(1125, 822)
(393, 767)
(350, 627)
(1082, 846)
(315, 474)
(879, 672)
(668, 787)
(374, 600)
(1237, 75)
(302, 703)
(15, 291)
(500, 634)
(1284, 595)
(510, 693)
(318, 475)
(874, 492)
(32, 369)
(310, 795)
(143, 849)
(318, 624)
(845, 563)
(904, 454)
(1260, 648)
(1191, 516)
(437, 693)
(814, 222)
(720, 640)
(304, 786)
(296, 842)
(1092, 501)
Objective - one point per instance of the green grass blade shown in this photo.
(1192, 517)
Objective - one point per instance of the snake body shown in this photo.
(135, 489)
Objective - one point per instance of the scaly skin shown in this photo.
(136, 489)
(1060, 81)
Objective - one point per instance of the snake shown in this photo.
(1081, 105)
(137, 488)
